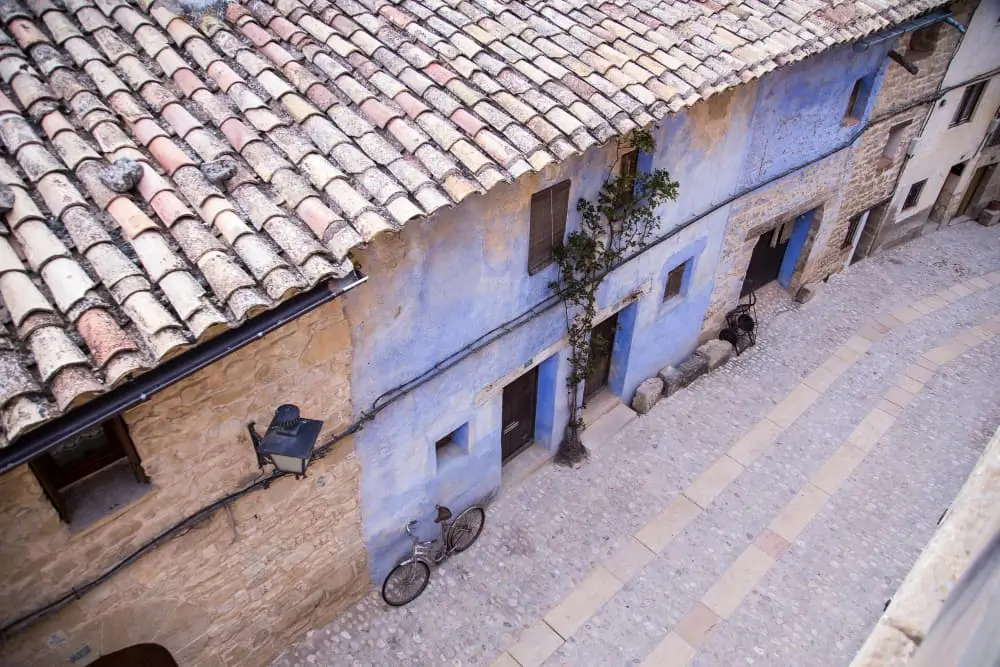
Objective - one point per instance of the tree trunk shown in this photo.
(571, 449)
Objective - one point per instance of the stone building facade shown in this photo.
(944, 176)
(815, 188)
(901, 110)
(236, 587)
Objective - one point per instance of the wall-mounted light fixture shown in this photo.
(288, 442)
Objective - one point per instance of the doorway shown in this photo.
(139, 655)
(975, 190)
(870, 231)
(939, 212)
(776, 254)
(602, 344)
(518, 414)
(765, 261)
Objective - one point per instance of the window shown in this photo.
(923, 42)
(675, 281)
(856, 102)
(629, 170)
(548, 225)
(452, 447)
(894, 143)
(91, 474)
(967, 107)
(852, 229)
(913, 196)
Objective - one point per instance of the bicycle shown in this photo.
(410, 576)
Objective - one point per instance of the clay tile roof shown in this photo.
(337, 120)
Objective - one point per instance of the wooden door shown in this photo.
(765, 262)
(518, 420)
(602, 343)
(975, 189)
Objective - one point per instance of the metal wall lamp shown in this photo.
(288, 442)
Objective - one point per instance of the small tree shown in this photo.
(621, 220)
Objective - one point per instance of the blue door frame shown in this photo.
(800, 229)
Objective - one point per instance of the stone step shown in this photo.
(602, 431)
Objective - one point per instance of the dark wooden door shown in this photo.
(518, 421)
(765, 262)
(975, 189)
(602, 343)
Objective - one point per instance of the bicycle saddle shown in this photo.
(443, 514)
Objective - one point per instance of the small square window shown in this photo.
(967, 106)
(675, 282)
(852, 229)
(92, 474)
(451, 447)
(547, 225)
(913, 196)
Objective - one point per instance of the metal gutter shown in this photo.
(929, 19)
(116, 401)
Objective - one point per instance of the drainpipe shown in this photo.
(118, 400)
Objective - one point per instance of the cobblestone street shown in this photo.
(762, 516)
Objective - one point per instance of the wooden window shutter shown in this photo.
(47, 474)
(540, 248)
(548, 224)
(560, 209)
(116, 432)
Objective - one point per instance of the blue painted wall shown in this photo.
(443, 282)
(799, 113)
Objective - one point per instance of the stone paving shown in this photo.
(762, 516)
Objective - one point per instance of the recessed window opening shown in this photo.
(92, 474)
(675, 281)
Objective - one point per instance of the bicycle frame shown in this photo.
(431, 552)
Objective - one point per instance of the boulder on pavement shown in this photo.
(808, 292)
(647, 394)
(692, 368)
(671, 378)
(716, 352)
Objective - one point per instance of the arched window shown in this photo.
(140, 655)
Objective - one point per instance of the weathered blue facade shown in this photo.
(441, 284)
(801, 112)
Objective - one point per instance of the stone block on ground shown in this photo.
(647, 394)
(692, 368)
(808, 292)
(716, 352)
(672, 380)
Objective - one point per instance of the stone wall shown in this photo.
(815, 187)
(873, 174)
(236, 588)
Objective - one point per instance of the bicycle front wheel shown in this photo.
(405, 583)
(466, 529)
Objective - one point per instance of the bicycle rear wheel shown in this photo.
(466, 529)
(405, 583)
